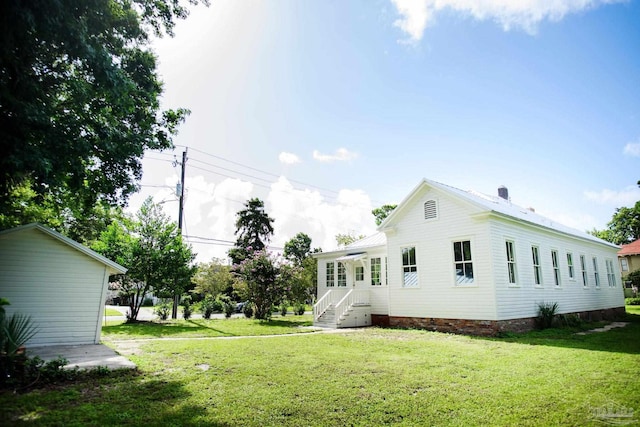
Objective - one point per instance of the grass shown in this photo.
(112, 312)
(200, 328)
(369, 377)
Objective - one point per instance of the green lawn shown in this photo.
(112, 312)
(369, 377)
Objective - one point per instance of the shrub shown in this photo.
(546, 314)
(163, 310)
(283, 308)
(20, 371)
(299, 309)
(228, 307)
(632, 301)
(247, 310)
(186, 308)
(147, 302)
(207, 306)
(571, 320)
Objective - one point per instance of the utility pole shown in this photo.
(176, 296)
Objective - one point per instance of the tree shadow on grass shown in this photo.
(295, 323)
(161, 329)
(616, 340)
(123, 399)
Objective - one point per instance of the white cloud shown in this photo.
(288, 158)
(416, 15)
(341, 154)
(625, 197)
(632, 149)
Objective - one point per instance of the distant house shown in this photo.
(60, 283)
(452, 260)
(629, 258)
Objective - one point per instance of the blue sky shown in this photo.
(326, 109)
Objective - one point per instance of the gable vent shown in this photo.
(430, 209)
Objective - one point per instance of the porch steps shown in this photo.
(355, 315)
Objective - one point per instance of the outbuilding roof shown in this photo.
(632, 248)
(117, 268)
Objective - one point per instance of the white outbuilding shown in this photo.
(57, 281)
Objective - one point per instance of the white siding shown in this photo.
(61, 288)
(437, 295)
(522, 300)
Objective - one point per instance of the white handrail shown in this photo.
(352, 297)
(321, 306)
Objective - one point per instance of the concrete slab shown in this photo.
(83, 356)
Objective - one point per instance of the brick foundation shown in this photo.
(483, 327)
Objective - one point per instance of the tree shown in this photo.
(347, 239)
(80, 97)
(213, 278)
(254, 229)
(150, 246)
(266, 281)
(298, 248)
(382, 212)
(624, 226)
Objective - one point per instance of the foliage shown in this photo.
(254, 228)
(267, 281)
(546, 314)
(150, 246)
(634, 278)
(632, 301)
(298, 248)
(186, 308)
(80, 98)
(228, 307)
(22, 372)
(163, 310)
(15, 331)
(382, 212)
(284, 307)
(247, 310)
(207, 306)
(213, 278)
(346, 239)
(299, 309)
(624, 226)
(147, 302)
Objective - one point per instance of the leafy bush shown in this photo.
(247, 310)
(228, 306)
(546, 314)
(15, 331)
(570, 320)
(283, 308)
(634, 278)
(147, 302)
(632, 301)
(186, 308)
(163, 310)
(299, 309)
(207, 306)
(20, 371)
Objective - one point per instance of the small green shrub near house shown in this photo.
(632, 301)
(546, 315)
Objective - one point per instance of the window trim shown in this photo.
(343, 276)
(611, 276)
(409, 266)
(624, 264)
(555, 265)
(537, 267)
(584, 270)
(571, 267)
(359, 272)
(464, 262)
(330, 278)
(596, 273)
(512, 266)
(374, 270)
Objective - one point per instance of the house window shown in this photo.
(342, 275)
(386, 272)
(360, 274)
(583, 268)
(624, 264)
(463, 262)
(330, 274)
(537, 269)
(511, 262)
(595, 271)
(570, 265)
(375, 272)
(409, 267)
(611, 278)
(556, 267)
(430, 209)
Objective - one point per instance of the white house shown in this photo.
(60, 283)
(452, 260)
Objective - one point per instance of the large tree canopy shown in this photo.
(79, 95)
(624, 226)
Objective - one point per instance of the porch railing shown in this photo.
(353, 297)
(321, 306)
